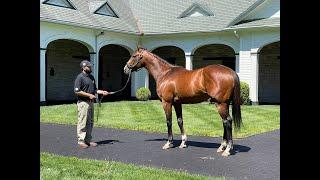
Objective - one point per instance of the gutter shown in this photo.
(85, 25)
(253, 27)
(141, 33)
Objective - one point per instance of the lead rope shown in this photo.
(99, 100)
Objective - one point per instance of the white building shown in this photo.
(241, 34)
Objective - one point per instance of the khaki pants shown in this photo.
(85, 121)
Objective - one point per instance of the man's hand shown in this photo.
(104, 93)
(91, 96)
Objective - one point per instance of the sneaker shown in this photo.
(93, 144)
(83, 145)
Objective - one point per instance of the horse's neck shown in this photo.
(156, 67)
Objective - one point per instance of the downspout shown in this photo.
(97, 56)
(139, 44)
(237, 53)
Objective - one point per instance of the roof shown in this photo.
(150, 16)
(246, 12)
(269, 22)
(84, 15)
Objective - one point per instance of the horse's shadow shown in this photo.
(236, 148)
(104, 142)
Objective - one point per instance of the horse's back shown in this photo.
(218, 68)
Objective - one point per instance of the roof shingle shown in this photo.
(154, 16)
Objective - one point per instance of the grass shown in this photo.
(59, 167)
(199, 119)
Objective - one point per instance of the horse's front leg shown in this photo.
(167, 106)
(178, 109)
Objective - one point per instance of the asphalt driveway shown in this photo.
(255, 157)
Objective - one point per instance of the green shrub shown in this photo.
(143, 94)
(244, 93)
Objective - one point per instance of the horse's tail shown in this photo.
(236, 102)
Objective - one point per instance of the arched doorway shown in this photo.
(269, 74)
(63, 59)
(112, 59)
(214, 54)
(171, 54)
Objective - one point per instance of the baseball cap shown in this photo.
(85, 63)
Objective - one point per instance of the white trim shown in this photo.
(255, 27)
(189, 60)
(195, 7)
(234, 47)
(121, 43)
(253, 93)
(68, 36)
(42, 75)
(267, 43)
(237, 64)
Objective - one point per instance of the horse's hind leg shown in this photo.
(227, 144)
(178, 109)
(224, 141)
(167, 106)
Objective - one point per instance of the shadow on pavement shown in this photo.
(236, 148)
(107, 142)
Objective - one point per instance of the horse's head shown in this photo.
(135, 62)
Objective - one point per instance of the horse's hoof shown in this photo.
(220, 150)
(225, 154)
(167, 146)
(182, 146)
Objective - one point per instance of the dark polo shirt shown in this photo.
(86, 83)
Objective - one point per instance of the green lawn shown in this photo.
(199, 119)
(59, 167)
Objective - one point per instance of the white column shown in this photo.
(146, 80)
(139, 80)
(254, 87)
(42, 75)
(237, 63)
(95, 61)
(189, 58)
(133, 84)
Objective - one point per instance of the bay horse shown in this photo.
(176, 86)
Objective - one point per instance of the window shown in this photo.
(60, 3)
(196, 10)
(106, 10)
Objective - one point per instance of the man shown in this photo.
(85, 90)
